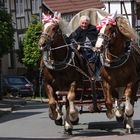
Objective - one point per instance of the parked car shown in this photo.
(17, 86)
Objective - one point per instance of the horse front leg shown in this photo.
(108, 100)
(118, 111)
(54, 111)
(71, 111)
(128, 120)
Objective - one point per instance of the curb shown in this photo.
(7, 105)
(4, 111)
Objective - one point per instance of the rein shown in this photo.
(118, 61)
(69, 60)
(50, 63)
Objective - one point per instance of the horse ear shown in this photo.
(114, 15)
(57, 15)
(99, 16)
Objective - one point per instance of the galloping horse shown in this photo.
(120, 58)
(62, 68)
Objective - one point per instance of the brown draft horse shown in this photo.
(62, 69)
(120, 67)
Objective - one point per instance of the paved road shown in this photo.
(32, 122)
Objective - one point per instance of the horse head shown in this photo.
(107, 27)
(56, 52)
(49, 32)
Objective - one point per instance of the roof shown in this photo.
(121, 1)
(69, 6)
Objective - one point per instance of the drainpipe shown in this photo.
(133, 14)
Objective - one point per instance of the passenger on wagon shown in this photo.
(86, 35)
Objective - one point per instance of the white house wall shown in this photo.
(116, 6)
(12, 4)
(20, 24)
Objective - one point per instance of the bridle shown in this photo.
(117, 61)
(47, 44)
(106, 39)
(48, 49)
(68, 61)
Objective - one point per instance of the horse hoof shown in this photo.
(120, 119)
(51, 116)
(68, 132)
(110, 115)
(75, 122)
(59, 122)
(129, 130)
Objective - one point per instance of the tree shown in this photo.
(6, 36)
(31, 53)
(6, 32)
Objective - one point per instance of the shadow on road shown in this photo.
(106, 129)
(35, 105)
(25, 111)
(2, 138)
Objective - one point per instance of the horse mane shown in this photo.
(63, 24)
(125, 28)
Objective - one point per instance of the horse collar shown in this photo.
(52, 65)
(116, 62)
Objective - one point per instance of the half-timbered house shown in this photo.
(68, 8)
(128, 8)
(22, 11)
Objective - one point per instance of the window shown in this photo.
(19, 8)
(6, 5)
(139, 40)
(1, 3)
(35, 6)
(138, 10)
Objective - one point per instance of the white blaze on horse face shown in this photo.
(42, 39)
(46, 26)
(100, 40)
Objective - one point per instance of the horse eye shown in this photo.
(112, 30)
(44, 44)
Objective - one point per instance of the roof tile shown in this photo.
(68, 6)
